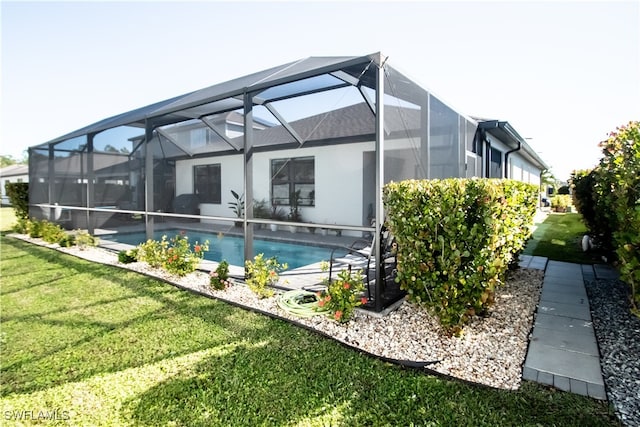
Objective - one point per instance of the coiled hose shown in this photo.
(301, 303)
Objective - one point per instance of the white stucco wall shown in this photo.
(338, 178)
(338, 181)
(519, 168)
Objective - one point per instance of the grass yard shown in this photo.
(559, 238)
(104, 346)
(7, 218)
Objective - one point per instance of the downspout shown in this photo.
(506, 158)
(487, 154)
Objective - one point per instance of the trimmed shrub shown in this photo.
(456, 239)
(619, 172)
(608, 197)
(18, 193)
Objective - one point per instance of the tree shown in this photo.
(7, 160)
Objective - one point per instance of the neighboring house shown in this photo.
(325, 132)
(13, 173)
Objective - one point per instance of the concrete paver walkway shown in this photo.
(563, 351)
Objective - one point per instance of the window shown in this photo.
(495, 170)
(207, 183)
(289, 176)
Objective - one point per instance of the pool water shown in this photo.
(231, 248)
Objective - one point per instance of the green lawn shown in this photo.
(104, 346)
(7, 218)
(559, 238)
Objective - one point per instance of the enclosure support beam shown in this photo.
(148, 181)
(367, 99)
(173, 141)
(248, 176)
(284, 123)
(219, 132)
(380, 274)
(90, 186)
(424, 139)
(52, 180)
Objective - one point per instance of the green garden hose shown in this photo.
(301, 303)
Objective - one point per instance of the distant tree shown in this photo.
(547, 178)
(6, 160)
(564, 190)
(110, 149)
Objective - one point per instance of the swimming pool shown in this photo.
(231, 248)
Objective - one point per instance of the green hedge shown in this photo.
(18, 193)
(609, 199)
(456, 239)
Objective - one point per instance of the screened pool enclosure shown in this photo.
(308, 145)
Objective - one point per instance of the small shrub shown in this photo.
(219, 278)
(153, 252)
(67, 241)
(175, 256)
(261, 273)
(128, 256)
(52, 232)
(261, 209)
(181, 259)
(560, 202)
(21, 226)
(84, 239)
(343, 295)
(35, 228)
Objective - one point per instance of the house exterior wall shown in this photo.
(518, 167)
(338, 181)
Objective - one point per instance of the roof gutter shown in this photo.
(517, 138)
(506, 158)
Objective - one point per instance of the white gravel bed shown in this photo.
(618, 335)
(490, 352)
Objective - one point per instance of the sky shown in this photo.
(563, 74)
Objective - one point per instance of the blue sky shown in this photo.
(562, 73)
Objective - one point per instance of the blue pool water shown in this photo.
(231, 248)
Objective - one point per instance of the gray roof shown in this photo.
(353, 121)
(14, 170)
